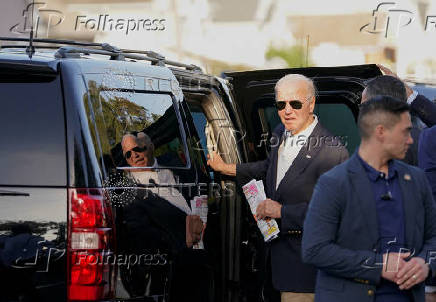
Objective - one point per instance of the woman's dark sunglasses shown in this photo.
(128, 154)
(295, 104)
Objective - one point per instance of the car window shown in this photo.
(200, 123)
(199, 128)
(142, 140)
(117, 115)
(32, 132)
(339, 120)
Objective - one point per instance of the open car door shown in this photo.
(338, 97)
(339, 94)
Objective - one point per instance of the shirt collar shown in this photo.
(374, 174)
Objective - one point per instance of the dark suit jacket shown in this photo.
(424, 109)
(322, 152)
(421, 109)
(411, 157)
(341, 232)
(427, 156)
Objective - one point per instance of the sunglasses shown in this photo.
(295, 104)
(128, 154)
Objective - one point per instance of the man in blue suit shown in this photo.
(371, 224)
(427, 156)
(422, 110)
(427, 162)
(420, 106)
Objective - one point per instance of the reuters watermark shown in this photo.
(126, 25)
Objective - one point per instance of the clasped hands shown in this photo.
(404, 273)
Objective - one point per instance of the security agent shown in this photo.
(372, 220)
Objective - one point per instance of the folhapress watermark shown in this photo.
(43, 20)
(126, 25)
(32, 15)
(388, 19)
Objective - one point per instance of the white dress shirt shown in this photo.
(290, 147)
(163, 177)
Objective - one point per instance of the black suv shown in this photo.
(87, 216)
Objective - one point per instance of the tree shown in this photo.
(294, 56)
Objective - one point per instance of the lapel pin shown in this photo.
(407, 177)
(308, 156)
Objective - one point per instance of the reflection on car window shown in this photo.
(140, 140)
(119, 113)
(155, 117)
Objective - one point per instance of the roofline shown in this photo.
(365, 71)
(115, 53)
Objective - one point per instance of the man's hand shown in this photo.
(392, 265)
(269, 208)
(215, 161)
(413, 272)
(388, 72)
(194, 228)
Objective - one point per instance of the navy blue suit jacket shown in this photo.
(425, 109)
(322, 152)
(341, 233)
(427, 155)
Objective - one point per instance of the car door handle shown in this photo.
(12, 193)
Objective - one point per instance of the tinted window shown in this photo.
(32, 133)
(139, 137)
(337, 118)
(200, 138)
(117, 115)
(200, 123)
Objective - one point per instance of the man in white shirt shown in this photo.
(305, 151)
(138, 151)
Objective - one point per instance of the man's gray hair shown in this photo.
(295, 77)
(141, 138)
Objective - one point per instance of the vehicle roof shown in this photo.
(365, 71)
(46, 59)
(40, 60)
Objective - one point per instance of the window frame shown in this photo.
(97, 77)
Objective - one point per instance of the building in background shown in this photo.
(251, 34)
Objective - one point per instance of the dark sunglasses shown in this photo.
(128, 154)
(295, 104)
(280, 105)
